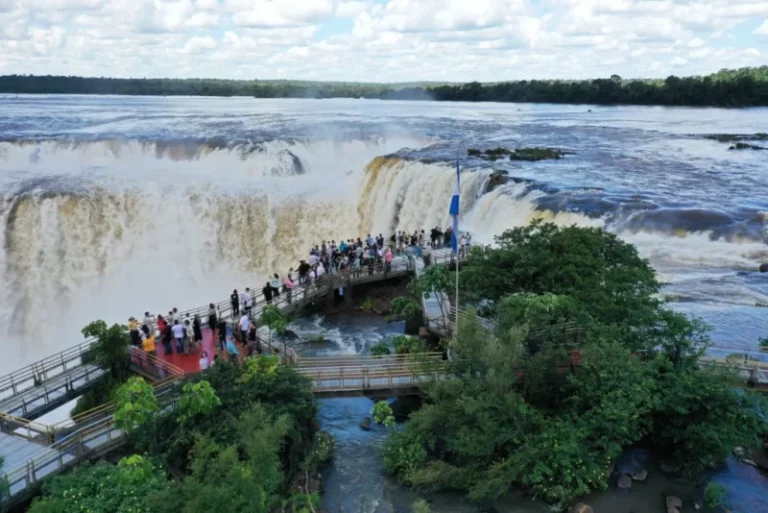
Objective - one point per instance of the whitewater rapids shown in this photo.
(114, 207)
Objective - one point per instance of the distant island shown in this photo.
(744, 87)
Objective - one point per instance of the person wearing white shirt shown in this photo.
(247, 301)
(245, 321)
(178, 334)
(149, 320)
(320, 270)
(204, 362)
(313, 259)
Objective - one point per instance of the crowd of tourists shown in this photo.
(357, 255)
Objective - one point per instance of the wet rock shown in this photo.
(640, 475)
(669, 467)
(496, 179)
(696, 506)
(738, 452)
(582, 508)
(763, 268)
(624, 481)
(674, 502)
(366, 424)
(672, 510)
(290, 335)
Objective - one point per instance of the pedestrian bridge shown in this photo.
(33, 450)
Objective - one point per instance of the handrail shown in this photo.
(146, 361)
(38, 371)
(14, 423)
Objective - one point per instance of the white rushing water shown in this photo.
(116, 206)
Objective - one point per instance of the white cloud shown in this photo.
(199, 43)
(352, 9)
(390, 40)
(203, 20)
(46, 40)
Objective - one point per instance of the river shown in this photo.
(116, 205)
(355, 482)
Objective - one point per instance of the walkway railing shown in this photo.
(365, 374)
(37, 373)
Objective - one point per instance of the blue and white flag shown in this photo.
(454, 211)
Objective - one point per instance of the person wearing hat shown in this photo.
(133, 328)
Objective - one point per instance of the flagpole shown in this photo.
(458, 253)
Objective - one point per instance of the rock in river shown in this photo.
(366, 424)
(763, 268)
(624, 481)
(640, 475)
(674, 502)
(582, 508)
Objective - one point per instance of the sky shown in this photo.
(381, 40)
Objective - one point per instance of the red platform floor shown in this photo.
(191, 363)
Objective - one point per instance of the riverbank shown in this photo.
(356, 483)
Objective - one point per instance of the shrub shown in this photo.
(714, 494)
(380, 349)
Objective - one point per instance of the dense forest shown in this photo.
(726, 88)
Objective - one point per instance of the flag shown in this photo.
(454, 211)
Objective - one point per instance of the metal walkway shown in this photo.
(47, 384)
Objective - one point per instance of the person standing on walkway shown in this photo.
(133, 330)
(175, 315)
(388, 256)
(288, 285)
(189, 339)
(213, 320)
(149, 321)
(197, 328)
(247, 301)
(221, 328)
(267, 291)
(178, 334)
(304, 268)
(253, 344)
(235, 299)
(245, 321)
(275, 284)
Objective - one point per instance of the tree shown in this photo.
(700, 416)
(4, 487)
(236, 477)
(434, 279)
(607, 281)
(404, 344)
(111, 347)
(380, 349)
(382, 414)
(197, 399)
(135, 404)
(410, 311)
(272, 318)
(102, 488)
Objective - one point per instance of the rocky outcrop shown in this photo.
(669, 467)
(640, 475)
(366, 424)
(497, 178)
(624, 481)
(582, 508)
(674, 504)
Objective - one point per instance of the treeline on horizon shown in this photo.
(727, 88)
